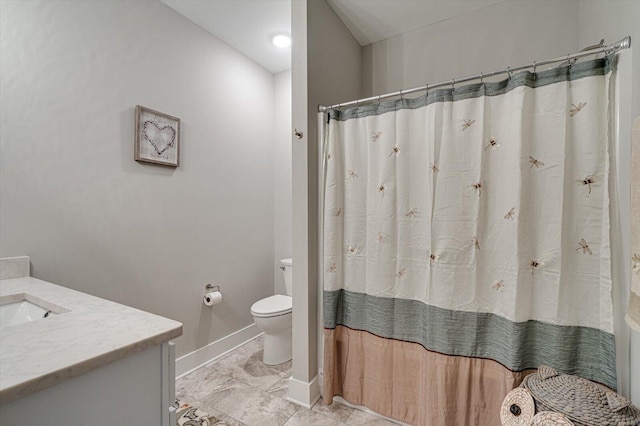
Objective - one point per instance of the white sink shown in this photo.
(16, 312)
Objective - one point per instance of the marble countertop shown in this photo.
(90, 333)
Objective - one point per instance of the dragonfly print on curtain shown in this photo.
(466, 243)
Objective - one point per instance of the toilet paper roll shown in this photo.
(212, 298)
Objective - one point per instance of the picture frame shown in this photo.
(157, 138)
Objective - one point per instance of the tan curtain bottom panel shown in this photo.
(404, 381)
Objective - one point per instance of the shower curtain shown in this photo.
(466, 242)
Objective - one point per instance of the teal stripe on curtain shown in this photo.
(518, 346)
(528, 79)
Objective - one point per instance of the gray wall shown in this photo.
(613, 20)
(505, 34)
(282, 175)
(90, 217)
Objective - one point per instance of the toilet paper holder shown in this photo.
(212, 295)
(210, 287)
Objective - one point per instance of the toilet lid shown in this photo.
(278, 304)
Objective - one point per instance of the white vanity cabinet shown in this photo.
(98, 363)
(138, 389)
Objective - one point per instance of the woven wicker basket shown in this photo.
(583, 402)
(548, 418)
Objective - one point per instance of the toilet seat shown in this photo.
(272, 306)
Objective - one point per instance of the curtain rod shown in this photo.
(625, 43)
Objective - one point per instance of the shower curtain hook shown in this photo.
(453, 85)
(401, 95)
(426, 87)
(509, 72)
(481, 77)
(569, 61)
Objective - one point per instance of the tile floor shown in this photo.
(239, 389)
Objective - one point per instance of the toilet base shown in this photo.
(277, 348)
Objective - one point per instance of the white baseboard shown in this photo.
(196, 359)
(303, 393)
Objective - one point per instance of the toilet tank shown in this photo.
(287, 269)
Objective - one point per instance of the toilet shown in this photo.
(272, 315)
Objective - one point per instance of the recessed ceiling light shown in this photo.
(281, 41)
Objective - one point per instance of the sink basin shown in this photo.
(23, 310)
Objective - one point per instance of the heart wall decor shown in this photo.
(160, 137)
(157, 138)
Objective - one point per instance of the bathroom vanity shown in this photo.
(80, 359)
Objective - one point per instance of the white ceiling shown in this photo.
(246, 25)
(374, 20)
(249, 25)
